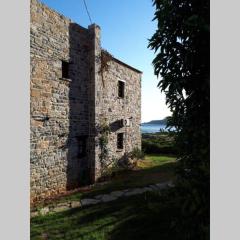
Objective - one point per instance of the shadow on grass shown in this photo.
(123, 180)
(140, 217)
(139, 178)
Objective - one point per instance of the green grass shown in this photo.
(153, 169)
(153, 160)
(127, 218)
(139, 217)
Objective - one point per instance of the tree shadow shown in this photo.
(141, 217)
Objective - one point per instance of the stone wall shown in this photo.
(64, 111)
(59, 107)
(111, 108)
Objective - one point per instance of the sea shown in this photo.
(152, 128)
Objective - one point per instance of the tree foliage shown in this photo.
(182, 46)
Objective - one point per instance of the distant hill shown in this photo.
(163, 121)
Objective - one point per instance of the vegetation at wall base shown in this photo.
(151, 170)
(182, 46)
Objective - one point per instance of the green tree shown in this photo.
(182, 46)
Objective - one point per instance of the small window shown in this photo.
(120, 141)
(65, 69)
(82, 146)
(121, 86)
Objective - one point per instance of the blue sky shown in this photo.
(126, 26)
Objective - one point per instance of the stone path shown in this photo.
(102, 198)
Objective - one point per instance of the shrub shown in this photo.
(161, 143)
(137, 153)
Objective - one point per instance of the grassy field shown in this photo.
(130, 218)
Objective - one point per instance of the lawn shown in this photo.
(139, 217)
(154, 160)
(153, 169)
(129, 218)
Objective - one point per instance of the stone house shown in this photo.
(85, 105)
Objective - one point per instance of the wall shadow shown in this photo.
(78, 161)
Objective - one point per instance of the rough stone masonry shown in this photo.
(79, 93)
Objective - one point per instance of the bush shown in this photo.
(160, 143)
(137, 153)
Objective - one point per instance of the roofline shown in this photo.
(126, 65)
(120, 62)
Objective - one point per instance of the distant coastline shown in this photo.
(154, 126)
(157, 122)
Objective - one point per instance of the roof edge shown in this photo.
(126, 65)
(120, 62)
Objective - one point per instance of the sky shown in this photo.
(126, 26)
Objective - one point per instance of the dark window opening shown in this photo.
(65, 69)
(120, 141)
(82, 146)
(121, 86)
